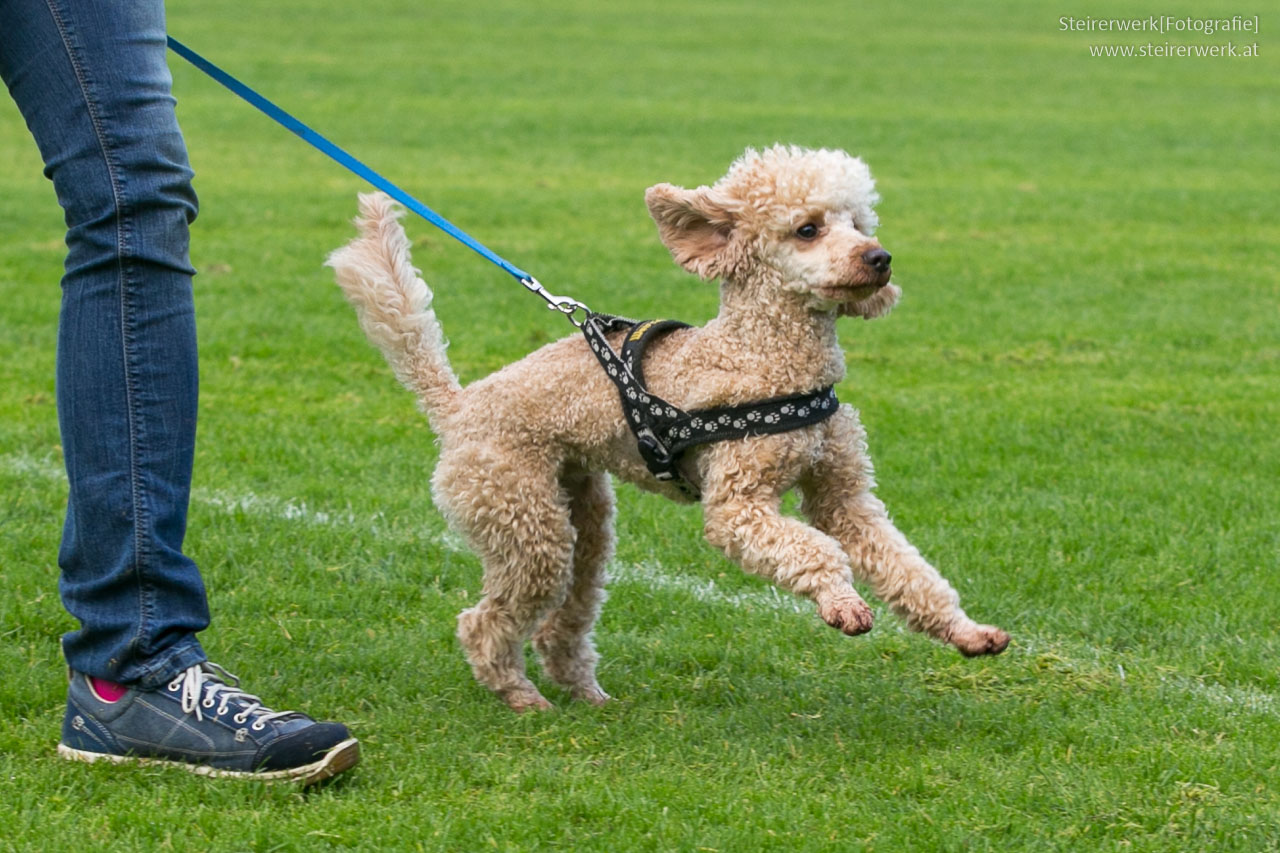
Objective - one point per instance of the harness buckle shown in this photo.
(651, 448)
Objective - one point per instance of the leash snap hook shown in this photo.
(565, 305)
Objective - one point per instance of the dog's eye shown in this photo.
(808, 231)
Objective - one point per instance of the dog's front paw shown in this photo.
(848, 613)
(973, 639)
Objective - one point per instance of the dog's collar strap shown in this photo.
(663, 431)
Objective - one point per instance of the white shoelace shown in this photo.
(206, 685)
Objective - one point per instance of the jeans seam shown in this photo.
(126, 326)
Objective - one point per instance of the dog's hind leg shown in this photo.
(564, 639)
(516, 518)
(838, 500)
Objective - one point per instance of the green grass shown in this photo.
(1073, 414)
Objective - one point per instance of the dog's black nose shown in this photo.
(877, 259)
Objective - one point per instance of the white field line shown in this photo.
(246, 503)
(1246, 698)
(23, 463)
(651, 575)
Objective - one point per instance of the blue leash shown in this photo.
(566, 306)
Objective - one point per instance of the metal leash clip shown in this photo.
(566, 306)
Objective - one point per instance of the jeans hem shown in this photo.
(161, 670)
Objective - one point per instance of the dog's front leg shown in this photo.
(838, 499)
(741, 517)
(902, 577)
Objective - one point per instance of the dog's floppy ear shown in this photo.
(877, 305)
(694, 225)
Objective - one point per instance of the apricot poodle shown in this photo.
(522, 470)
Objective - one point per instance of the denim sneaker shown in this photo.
(203, 722)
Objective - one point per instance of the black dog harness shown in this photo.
(663, 431)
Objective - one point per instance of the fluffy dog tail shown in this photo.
(393, 304)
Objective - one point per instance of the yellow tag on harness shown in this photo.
(639, 331)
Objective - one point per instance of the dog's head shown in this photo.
(798, 218)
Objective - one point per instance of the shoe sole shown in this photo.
(339, 758)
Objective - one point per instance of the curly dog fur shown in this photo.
(787, 233)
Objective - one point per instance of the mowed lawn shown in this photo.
(1073, 414)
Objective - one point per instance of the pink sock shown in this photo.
(108, 691)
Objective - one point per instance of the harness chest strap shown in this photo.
(663, 431)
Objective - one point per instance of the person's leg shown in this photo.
(92, 82)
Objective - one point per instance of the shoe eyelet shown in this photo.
(258, 725)
(208, 703)
(240, 718)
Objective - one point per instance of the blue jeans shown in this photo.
(91, 80)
